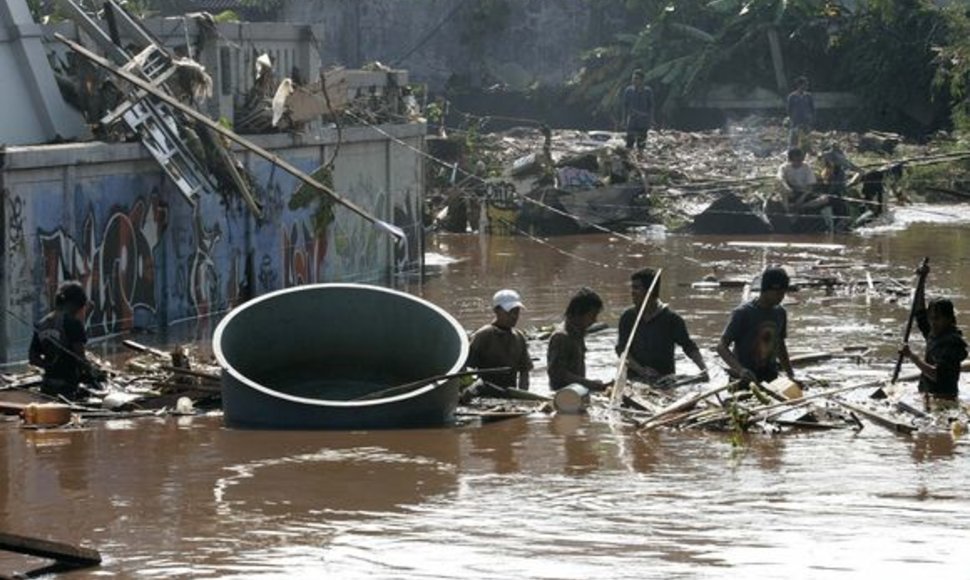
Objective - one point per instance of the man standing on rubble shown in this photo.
(757, 330)
(801, 114)
(57, 345)
(637, 111)
(652, 351)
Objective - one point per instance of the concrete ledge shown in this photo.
(41, 156)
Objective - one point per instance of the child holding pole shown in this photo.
(945, 349)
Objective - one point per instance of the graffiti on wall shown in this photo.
(116, 264)
(16, 240)
(204, 280)
(303, 255)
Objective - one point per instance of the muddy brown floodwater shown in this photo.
(543, 497)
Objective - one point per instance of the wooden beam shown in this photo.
(64, 553)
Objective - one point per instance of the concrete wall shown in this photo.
(541, 40)
(28, 84)
(105, 214)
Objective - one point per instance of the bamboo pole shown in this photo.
(619, 384)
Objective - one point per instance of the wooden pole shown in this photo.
(397, 389)
(920, 284)
(620, 383)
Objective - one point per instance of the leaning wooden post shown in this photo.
(619, 384)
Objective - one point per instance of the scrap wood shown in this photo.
(767, 412)
(191, 373)
(810, 358)
(231, 135)
(879, 419)
(73, 556)
(138, 347)
(684, 403)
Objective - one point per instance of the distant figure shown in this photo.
(945, 350)
(757, 332)
(637, 111)
(652, 351)
(835, 168)
(500, 344)
(566, 357)
(801, 114)
(57, 345)
(797, 180)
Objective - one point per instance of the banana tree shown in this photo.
(686, 45)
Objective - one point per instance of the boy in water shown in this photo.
(567, 346)
(57, 345)
(945, 350)
(757, 330)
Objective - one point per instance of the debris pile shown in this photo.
(730, 174)
(151, 383)
(782, 405)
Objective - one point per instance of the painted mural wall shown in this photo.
(106, 216)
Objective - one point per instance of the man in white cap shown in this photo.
(500, 344)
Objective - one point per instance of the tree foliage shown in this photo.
(901, 57)
(953, 65)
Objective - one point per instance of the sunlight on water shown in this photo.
(544, 497)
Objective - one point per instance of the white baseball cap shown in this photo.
(507, 300)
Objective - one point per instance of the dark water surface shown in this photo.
(545, 497)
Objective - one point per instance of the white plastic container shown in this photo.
(572, 399)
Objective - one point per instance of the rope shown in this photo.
(562, 251)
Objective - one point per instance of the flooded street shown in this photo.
(544, 497)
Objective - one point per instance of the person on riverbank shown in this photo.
(566, 356)
(57, 345)
(801, 114)
(945, 350)
(758, 330)
(651, 354)
(501, 344)
(796, 179)
(637, 111)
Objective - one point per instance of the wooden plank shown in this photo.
(11, 408)
(810, 358)
(684, 403)
(191, 373)
(139, 347)
(66, 553)
(878, 419)
(786, 245)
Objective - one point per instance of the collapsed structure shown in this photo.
(169, 216)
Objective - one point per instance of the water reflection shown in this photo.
(928, 447)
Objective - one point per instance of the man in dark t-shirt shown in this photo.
(500, 344)
(652, 351)
(757, 330)
(57, 345)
